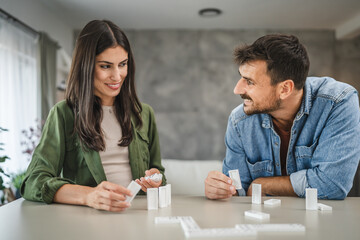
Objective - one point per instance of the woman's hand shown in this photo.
(108, 196)
(148, 183)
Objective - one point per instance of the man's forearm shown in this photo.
(275, 186)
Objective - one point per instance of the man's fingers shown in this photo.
(220, 177)
(216, 183)
(218, 191)
(211, 195)
(218, 186)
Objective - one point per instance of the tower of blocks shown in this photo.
(158, 197)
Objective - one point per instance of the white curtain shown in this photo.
(19, 91)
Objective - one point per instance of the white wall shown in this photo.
(40, 18)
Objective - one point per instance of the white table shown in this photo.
(22, 220)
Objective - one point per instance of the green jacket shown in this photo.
(59, 158)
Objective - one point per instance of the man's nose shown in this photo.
(239, 87)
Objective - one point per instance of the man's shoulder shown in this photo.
(327, 87)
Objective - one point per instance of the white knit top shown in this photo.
(115, 159)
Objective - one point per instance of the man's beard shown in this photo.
(273, 106)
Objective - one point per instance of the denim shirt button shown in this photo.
(294, 131)
(276, 143)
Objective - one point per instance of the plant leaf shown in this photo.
(3, 129)
(3, 158)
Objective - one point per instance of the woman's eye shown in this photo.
(123, 64)
(105, 66)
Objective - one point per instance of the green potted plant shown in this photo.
(30, 139)
(6, 193)
(16, 181)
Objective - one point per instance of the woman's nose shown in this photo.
(116, 75)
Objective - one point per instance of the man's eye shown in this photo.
(249, 82)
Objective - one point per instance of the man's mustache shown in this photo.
(245, 96)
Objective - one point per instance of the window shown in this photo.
(19, 90)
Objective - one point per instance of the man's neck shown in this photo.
(285, 116)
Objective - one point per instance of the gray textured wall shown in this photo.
(188, 78)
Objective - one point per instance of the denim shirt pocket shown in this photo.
(263, 168)
(303, 155)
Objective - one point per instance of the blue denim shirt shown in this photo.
(324, 146)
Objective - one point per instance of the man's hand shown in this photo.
(148, 183)
(108, 196)
(218, 186)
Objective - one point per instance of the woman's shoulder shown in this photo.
(146, 108)
(61, 109)
(147, 116)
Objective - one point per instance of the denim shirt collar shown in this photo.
(304, 107)
(306, 102)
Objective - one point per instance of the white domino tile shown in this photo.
(188, 224)
(167, 220)
(219, 232)
(235, 177)
(257, 214)
(272, 202)
(323, 207)
(152, 198)
(256, 193)
(192, 230)
(134, 188)
(311, 199)
(272, 227)
(162, 197)
(168, 194)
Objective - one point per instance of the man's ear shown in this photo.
(286, 88)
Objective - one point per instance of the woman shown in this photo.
(100, 138)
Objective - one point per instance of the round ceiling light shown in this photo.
(209, 12)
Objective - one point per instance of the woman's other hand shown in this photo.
(148, 183)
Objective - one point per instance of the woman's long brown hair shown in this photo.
(95, 37)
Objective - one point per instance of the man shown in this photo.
(291, 132)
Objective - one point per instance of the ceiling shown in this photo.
(343, 16)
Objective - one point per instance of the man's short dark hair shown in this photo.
(285, 56)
